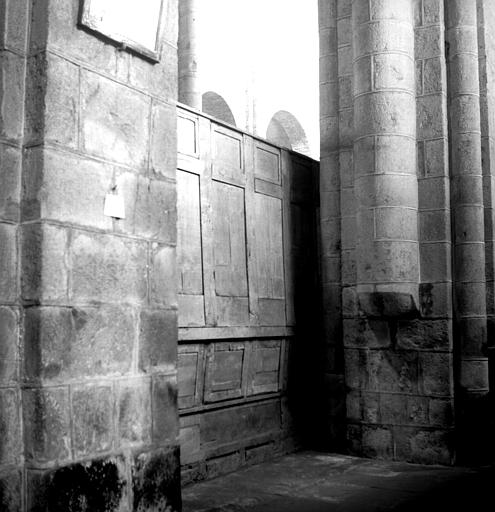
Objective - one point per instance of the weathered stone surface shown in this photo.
(151, 210)
(10, 176)
(8, 262)
(10, 427)
(47, 433)
(9, 345)
(436, 373)
(11, 491)
(424, 335)
(365, 333)
(115, 121)
(377, 442)
(108, 268)
(156, 481)
(164, 407)
(92, 419)
(134, 412)
(163, 276)
(392, 371)
(224, 464)
(99, 486)
(66, 188)
(158, 340)
(163, 155)
(66, 343)
(12, 69)
(44, 262)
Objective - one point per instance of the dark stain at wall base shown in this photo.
(156, 481)
(10, 492)
(94, 487)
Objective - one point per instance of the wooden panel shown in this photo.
(267, 162)
(224, 371)
(265, 367)
(187, 135)
(229, 239)
(190, 375)
(228, 155)
(269, 260)
(189, 251)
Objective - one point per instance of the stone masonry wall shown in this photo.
(97, 299)
(398, 364)
(13, 38)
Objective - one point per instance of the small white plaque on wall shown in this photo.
(133, 24)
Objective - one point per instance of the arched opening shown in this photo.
(214, 105)
(285, 130)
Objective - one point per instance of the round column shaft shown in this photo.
(385, 157)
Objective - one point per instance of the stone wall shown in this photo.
(96, 362)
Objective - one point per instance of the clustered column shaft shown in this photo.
(467, 199)
(385, 156)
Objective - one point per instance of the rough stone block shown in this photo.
(355, 360)
(429, 42)
(424, 335)
(16, 24)
(392, 371)
(61, 102)
(393, 409)
(434, 226)
(436, 373)
(156, 481)
(9, 345)
(163, 276)
(370, 407)
(158, 340)
(435, 75)
(383, 36)
(163, 153)
(134, 412)
(108, 268)
(10, 177)
(8, 262)
(431, 447)
(63, 187)
(441, 413)
(12, 95)
(365, 333)
(66, 343)
(393, 71)
(99, 485)
(436, 299)
(11, 491)
(377, 442)
(10, 427)
(164, 409)
(151, 210)
(115, 121)
(44, 263)
(431, 116)
(46, 425)
(92, 419)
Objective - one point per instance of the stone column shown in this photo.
(189, 92)
(385, 157)
(467, 211)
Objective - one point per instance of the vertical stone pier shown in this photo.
(468, 221)
(189, 91)
(385, 157)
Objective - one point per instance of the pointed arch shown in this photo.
(285, 130)
(214, 105)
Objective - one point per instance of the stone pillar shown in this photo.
(385, 157)
(330, 215)
(189, 91)
(468, 216)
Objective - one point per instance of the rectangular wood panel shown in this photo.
(189, 250)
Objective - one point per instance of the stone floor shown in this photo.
(315, 482)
